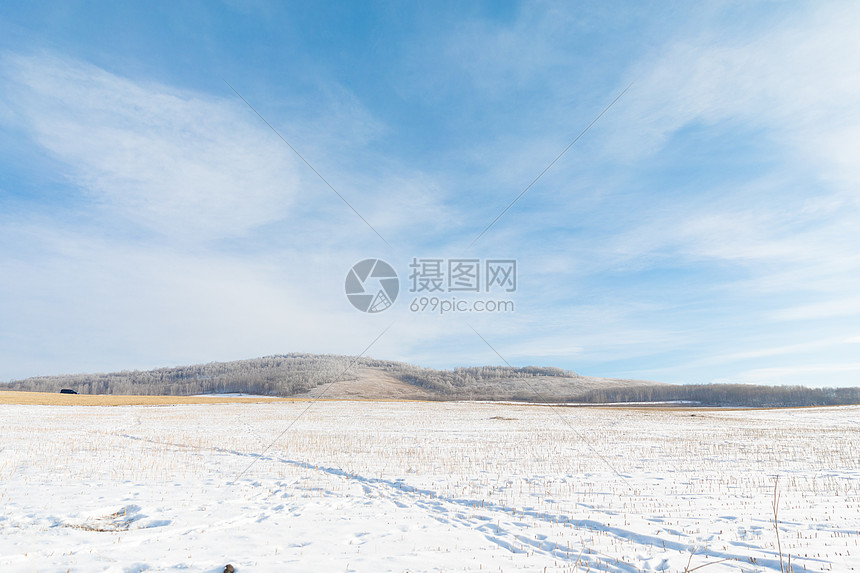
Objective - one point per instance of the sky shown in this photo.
(190, 182)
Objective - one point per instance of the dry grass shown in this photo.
(52, 399)
(700, 487)
(370, 384)
(57, 399)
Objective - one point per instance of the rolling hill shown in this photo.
(332, 376)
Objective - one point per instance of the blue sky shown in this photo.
(706, 228)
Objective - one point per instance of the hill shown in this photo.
(332, 376)
(343, 377)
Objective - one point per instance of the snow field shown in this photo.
(414, 486)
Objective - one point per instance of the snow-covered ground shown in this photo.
(398, 486)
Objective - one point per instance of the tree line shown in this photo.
(294, 374)
(285, 375)
(739, 395)
(282, 375)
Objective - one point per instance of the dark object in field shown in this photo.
(67, 391)
(229, 569)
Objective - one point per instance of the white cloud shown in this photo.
(191, 169)
(843, 306)
(176, 162)
(791, 89)
(816, 375)
(798, 77)
(787, 90)
(91, 304)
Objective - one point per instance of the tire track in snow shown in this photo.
(454, 511)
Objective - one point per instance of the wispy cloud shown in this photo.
(95, 304)
(842, 306)
(176, 163)
(817, 375)
(197, 235)
(774, 99)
